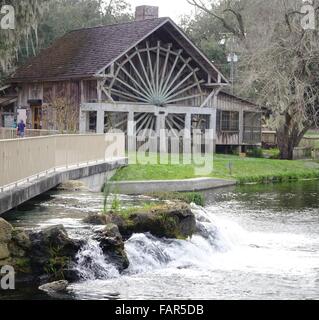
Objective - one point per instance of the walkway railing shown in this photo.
(11, 133)
(22, 160)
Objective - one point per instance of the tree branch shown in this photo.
(240, 33)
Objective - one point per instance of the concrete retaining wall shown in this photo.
(96, 182)
(15, 197)
(146, 187)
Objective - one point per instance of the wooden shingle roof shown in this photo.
(83, 53)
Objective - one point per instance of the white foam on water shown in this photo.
(224, 245)
(92, 264)
(222, 259)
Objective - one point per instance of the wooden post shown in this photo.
(241, 127)
(99, 90)
(160, 131)
(83, 121)
(82, 91)
(187, 145)
(213, 132)
(100, 121)
(131, 132)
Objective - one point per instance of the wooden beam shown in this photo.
(181, 83)
(172, 70)
(147, 94)
(99, 91)
(177, 75)
(108, 94)
(168, 53)
(186, 98)
(210, 96)
(144, 71)
(150, 64)
(127, 95)
(183, 90)
(157, 65)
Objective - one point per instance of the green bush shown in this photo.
(255, 153)
(116, 204)
(195, 197)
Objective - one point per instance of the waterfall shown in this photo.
(92, 264)
(146, 252)
(213, 236)
(223, 234)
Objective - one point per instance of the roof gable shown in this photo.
(85, 52)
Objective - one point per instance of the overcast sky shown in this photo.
(168, 8)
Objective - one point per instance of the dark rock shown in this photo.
(4, 251)
(53, 287)
(20, 244)
(22, 265)
(97, 219)
(52, 250)
(5, 231)
(170, 221)
(41, 256)
(5, 237)
(112, 246)
(71, 275)
(21, 238)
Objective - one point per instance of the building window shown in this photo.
(228, 121)
(252, 127)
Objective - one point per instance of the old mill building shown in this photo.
(145, 74)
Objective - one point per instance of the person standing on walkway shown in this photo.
(21, 129)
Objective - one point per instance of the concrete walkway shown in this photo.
(23, 192)
(145, 187)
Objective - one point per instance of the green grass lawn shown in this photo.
(244, 170)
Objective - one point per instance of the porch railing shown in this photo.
(11, 133)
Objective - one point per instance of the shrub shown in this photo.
(255, 153)
(116, 204)
(195, 197)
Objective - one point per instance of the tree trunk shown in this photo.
(289, 137)
(285, 146)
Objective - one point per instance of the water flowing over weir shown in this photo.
(91, 263)
(219, 245)
(248, 245)
(146, 252)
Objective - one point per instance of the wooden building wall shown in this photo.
(48, 93)
(86, 91)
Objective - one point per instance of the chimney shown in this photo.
(146, 13)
